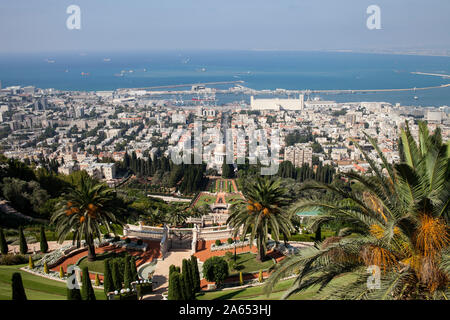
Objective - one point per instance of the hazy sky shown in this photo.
(111, 25)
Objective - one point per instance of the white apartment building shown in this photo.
(277, 104)
(298, 154)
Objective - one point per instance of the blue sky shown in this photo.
(119, 25)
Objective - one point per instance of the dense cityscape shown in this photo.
(93, 131)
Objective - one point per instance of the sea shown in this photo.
(99, 71)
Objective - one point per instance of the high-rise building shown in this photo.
(298, 154)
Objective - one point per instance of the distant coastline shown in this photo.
(259, 69)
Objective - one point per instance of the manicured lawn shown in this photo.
(99, 264)
(36, 288)
(205, 199)
(232, 199)
(247, 263)
(256, 293)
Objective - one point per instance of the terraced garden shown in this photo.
(36, 288)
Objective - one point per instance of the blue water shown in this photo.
(259, 70)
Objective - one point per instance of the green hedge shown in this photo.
(144, 289)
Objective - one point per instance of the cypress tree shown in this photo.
(186, 293)
(73, 294)
(116, 275)
(108, 283)
(18, 292)
(188, 287)
(175, 291)
(170, 293)
(97, 280)
(127, 274)
(133, 268)
(61, 272)
(43, 242)
(241, 278)
(172, 268)
(195, 274)
(22, 242)
(182, 288)
(87, 292)
(3, 244)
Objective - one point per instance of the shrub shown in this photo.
(139, 242)
(43, 241)
(97, 280)
(127, 240)
(116, 276)
(143, 289)
(175, 292)
(61, 272)
(108, 284)
(30, 262)
(228, 255)
(183, 288)
(218, 243)
(215, 269)
(172, 268)
(128, 296)
(87, 292)
(22, 242)
(107, 236)
(188, 284)
(133, 268)
(18, 292)
(241, 279)
(260, 276)
(74, 294)
(3, 243)
(46, 267)
(230, 241)
(116, 238)
(195, 274)
(127, 274)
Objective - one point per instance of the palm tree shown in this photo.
(199, 211)
(177, 216)
(264, 209)
(84, 208)
(398, 222)
(154, 217)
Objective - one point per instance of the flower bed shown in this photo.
(227, 246)
(56, 257)
(130, 246)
